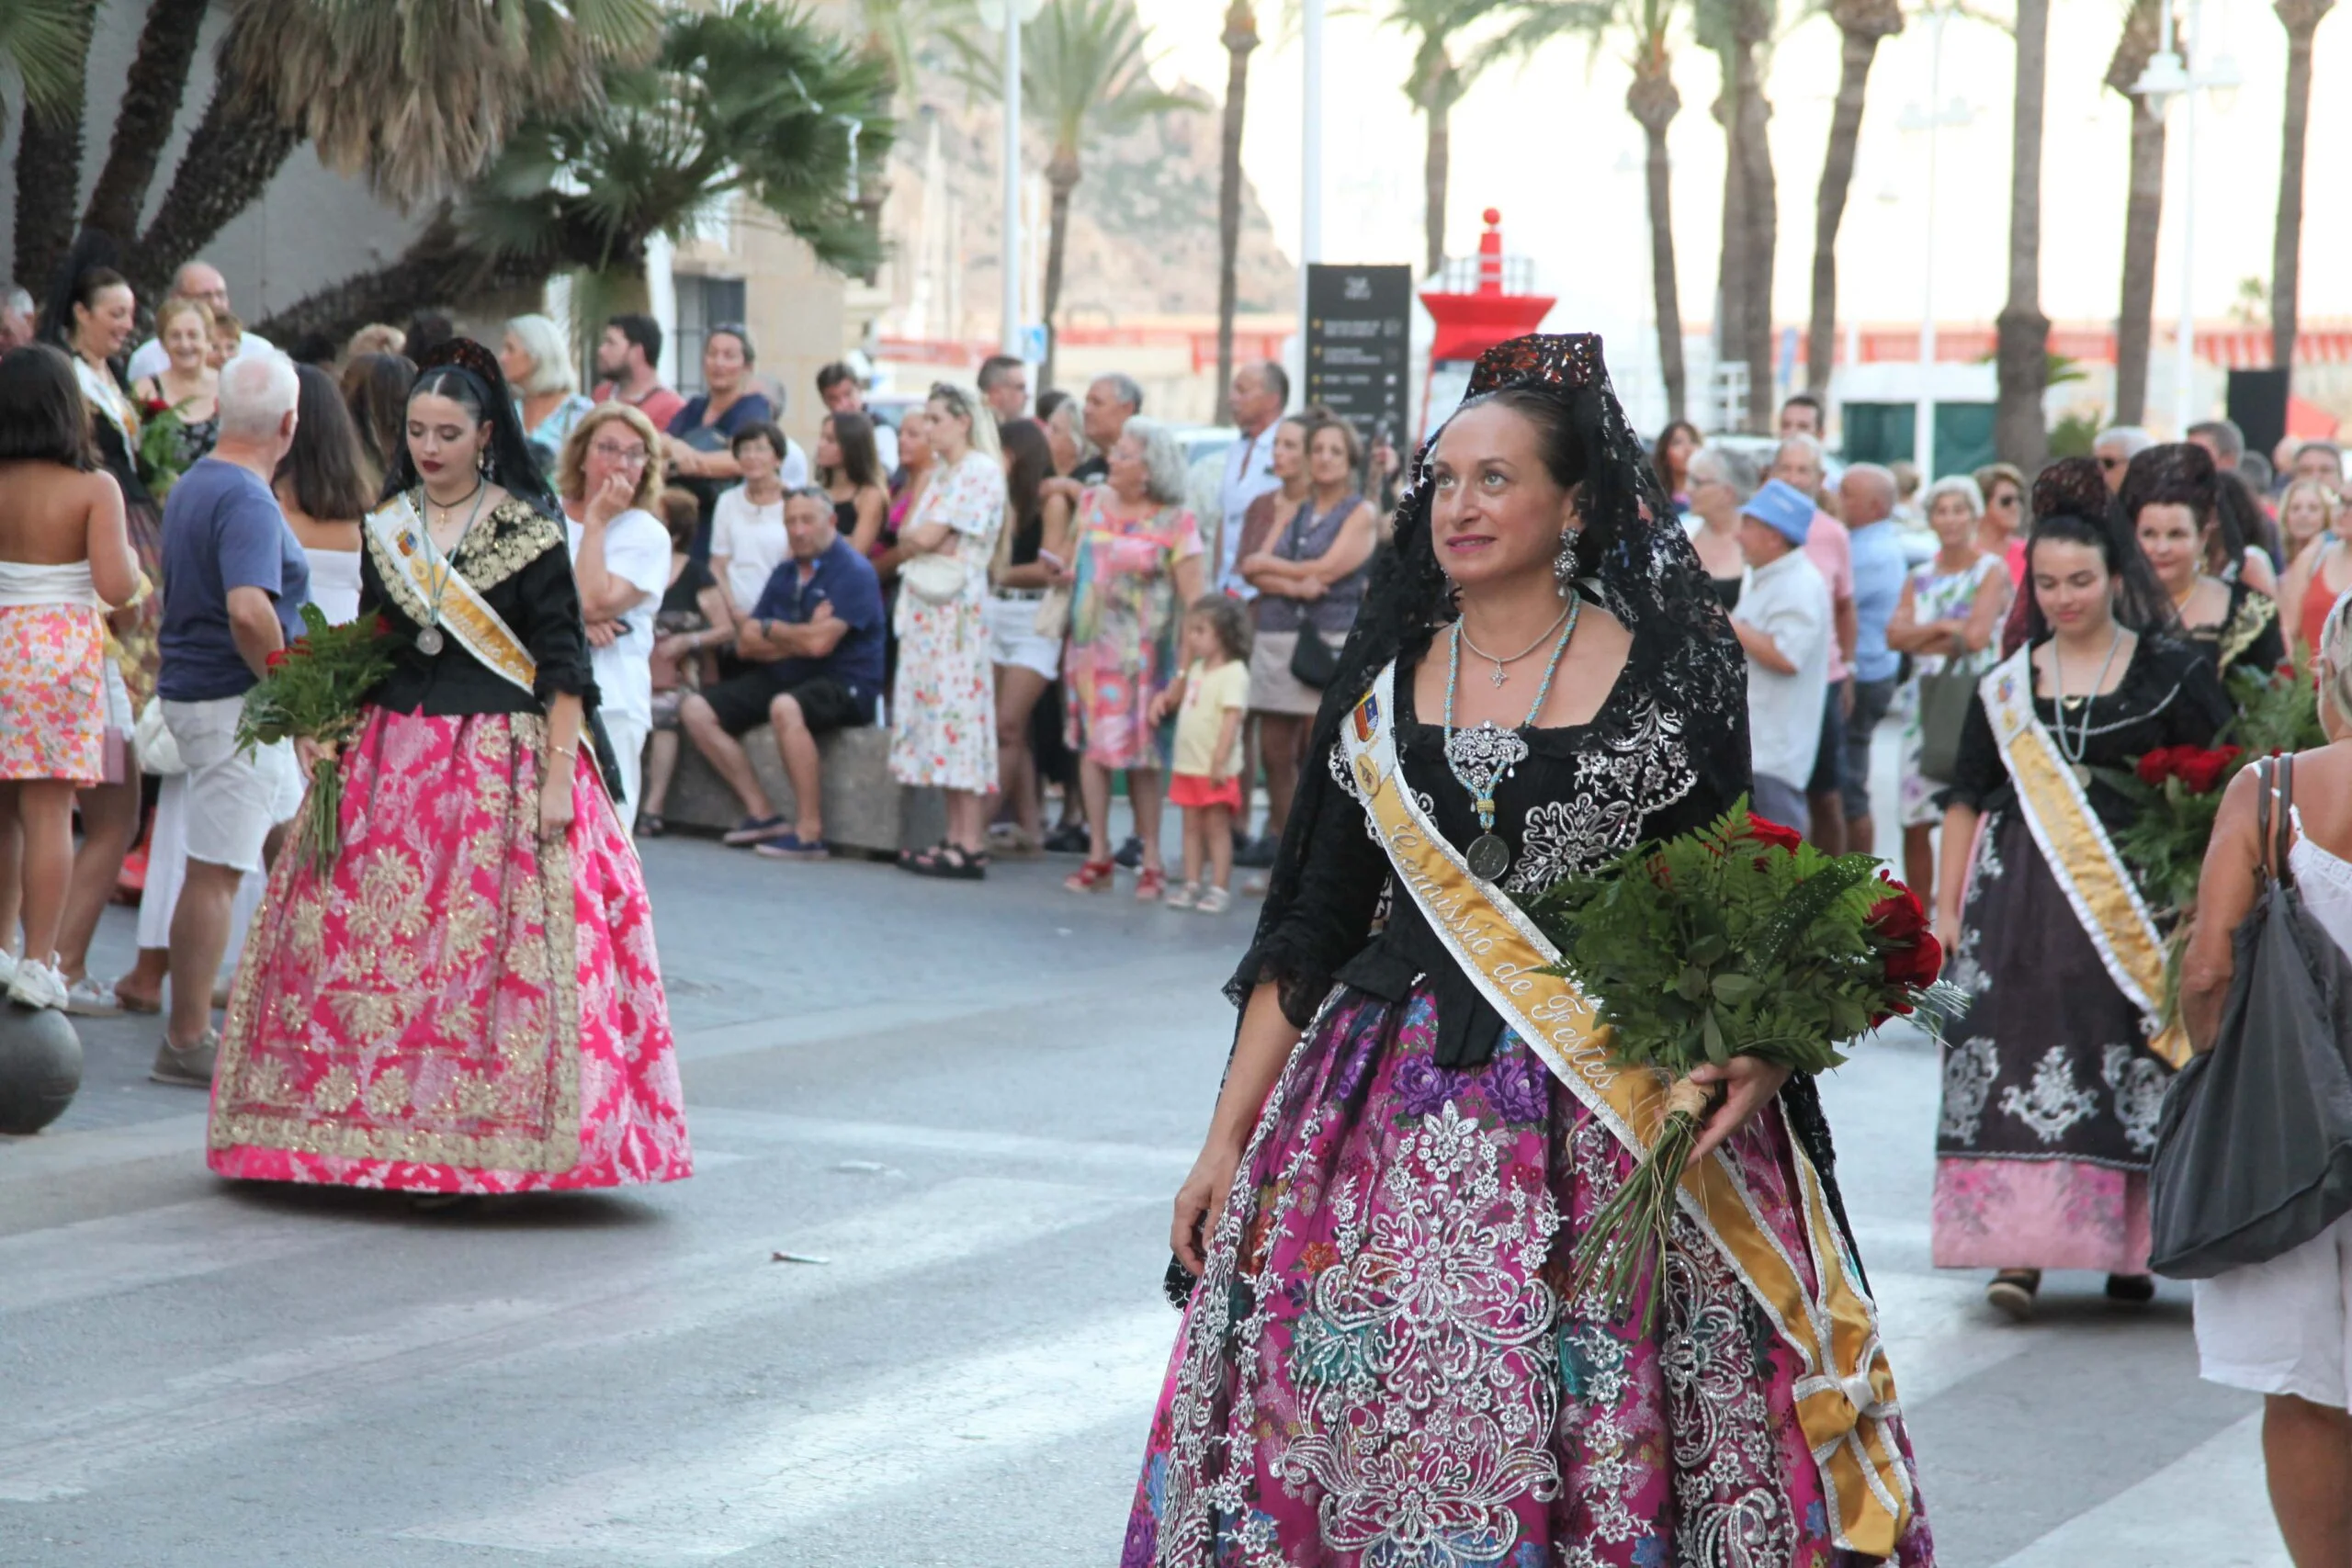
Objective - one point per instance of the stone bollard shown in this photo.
(40, 1067)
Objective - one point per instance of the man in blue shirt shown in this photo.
(814, 643)
(1866, 495)
(234, 583)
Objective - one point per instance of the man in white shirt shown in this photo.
(1784, 622)
(621, 556)
(196, 280)
(838, 386)
(1260, 394)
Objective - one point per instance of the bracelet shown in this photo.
(573, 752)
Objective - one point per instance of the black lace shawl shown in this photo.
(1633, 556)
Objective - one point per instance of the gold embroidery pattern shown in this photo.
(2254, 613)
(421, 1005)
(517, 536)
(393, 536)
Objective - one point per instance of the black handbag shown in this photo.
(1313, 662)
(2254, 1148)
(1943, 714)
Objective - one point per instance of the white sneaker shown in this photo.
(90, 996)
(37, 986)
(8, 966)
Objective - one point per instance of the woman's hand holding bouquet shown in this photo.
(1731, 957)
(311, 693)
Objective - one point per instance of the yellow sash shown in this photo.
(2074, 843)
(398, 533)
(1845, 1390)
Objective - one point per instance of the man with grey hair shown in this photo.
(202, 281)
(2115, 447)
(1258, 396)
(235, 580)
(16, 317)
(1867, 494)
(2222, 438)
(1112, 399)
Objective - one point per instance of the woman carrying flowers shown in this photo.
(2054, 1073)
(1386, 1355)
(463, 997)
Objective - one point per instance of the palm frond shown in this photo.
(1085, 71)
(43, 42)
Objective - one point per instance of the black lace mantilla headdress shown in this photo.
(1632, 558)
(460, 368)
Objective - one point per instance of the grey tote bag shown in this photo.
(2253, 1150)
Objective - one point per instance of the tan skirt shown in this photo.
(1272, 688)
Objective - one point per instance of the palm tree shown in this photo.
(151, 102)
(1241, 38)
(415, 96)
(2302, 18)
(1436, 83)
(749, 99)
(2143, 211)
(1653, 101)
(1083, 75)
(47, 44)
(1736, 30)
(1860, 25)
(2021, 354)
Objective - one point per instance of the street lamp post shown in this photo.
(1011, 16)
(1310, 203)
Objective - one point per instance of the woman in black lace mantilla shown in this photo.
(1382, 1358)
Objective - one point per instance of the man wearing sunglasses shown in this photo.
(2115, 447)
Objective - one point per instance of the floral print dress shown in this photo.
(943, 701)
(1123, 626)
(1946, 597)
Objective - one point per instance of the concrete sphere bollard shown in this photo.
(40, 1067)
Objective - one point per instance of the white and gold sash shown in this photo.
(2073, 843)
(398, 533)
(1845, 1390)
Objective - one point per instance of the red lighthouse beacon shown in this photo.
(1482, 300)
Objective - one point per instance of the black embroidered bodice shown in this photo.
(1644, 767)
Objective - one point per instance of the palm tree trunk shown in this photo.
(237, 148)
(1860, 27)
(1732, 258)
(1763, 236)
(2142, 215)
(1061, 178)
(1241, 38)
(2022, 332)
(1654, 102)
(2302, 18)
(48, 173)
(151, 102)
(437, 268)
(1438, 93)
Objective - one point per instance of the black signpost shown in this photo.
(1357, 325)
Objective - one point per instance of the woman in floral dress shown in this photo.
(1949, 620)
(1384, 1360)
(1138, 565)
(942, 698)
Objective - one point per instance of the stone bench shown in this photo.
(866, 812)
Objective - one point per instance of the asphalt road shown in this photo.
(971, 1104)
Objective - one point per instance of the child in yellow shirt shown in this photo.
(1211, 698)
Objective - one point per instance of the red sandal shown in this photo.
(1092, 876)
(1151, 883)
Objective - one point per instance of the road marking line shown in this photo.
(42, 1458)
(66, 1154)
(915, 1429)
(727, 1123)
(122, 1253)
(2145, 1526)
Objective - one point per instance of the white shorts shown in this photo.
(234, 798)
(2283, 1327)
(1013, 640)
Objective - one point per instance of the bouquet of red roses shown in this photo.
(1737, 940)
(313, 691)
(2179, 791)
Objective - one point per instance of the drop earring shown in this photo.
(1563, 561)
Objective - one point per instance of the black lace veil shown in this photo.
(1632, 558)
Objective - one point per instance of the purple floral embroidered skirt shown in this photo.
(1383, 1365)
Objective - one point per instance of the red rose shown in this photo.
(1773, 835)
(2159, 765)
(1910, 954)
(2202, 770)
(277, 657)
(383, 626)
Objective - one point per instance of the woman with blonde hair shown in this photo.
(608, 481)
(2320, 569)
(943, 701)
(538, 366)
(188, 388)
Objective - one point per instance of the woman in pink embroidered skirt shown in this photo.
(470, 1001)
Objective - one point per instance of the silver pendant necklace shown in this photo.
(441, 563)
(2081, 748)
(1499, 677)
(1481, 757)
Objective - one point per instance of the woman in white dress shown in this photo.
(943, 702)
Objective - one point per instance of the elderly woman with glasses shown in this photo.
(1137, 564)
(620, 557)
